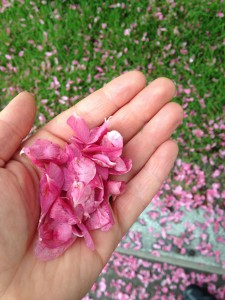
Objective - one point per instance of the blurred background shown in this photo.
(61, 51)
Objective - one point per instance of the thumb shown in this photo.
(16, 120)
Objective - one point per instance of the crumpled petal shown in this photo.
(44, 253)
(79, 170)
(75, 186)
(87, 236)
(102, 218)
(84, 169)
(113, 144)
(73, 150)
(80, 128)
(55, 173)
(123, 165)
(48, 193)
(116, 187)
(44, 151)
(103, 160)
(55, 234)
(62, 212)
(83, 195)
(98, 132)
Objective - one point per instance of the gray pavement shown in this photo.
(189, 242)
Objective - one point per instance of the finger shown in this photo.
(158, 130)
(101, 104)
(160, 91)
(142, 188)
(132, 117)
(16, 120)
(139, 193)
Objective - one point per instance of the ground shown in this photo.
(61, 51)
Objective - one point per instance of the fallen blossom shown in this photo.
(75, 185)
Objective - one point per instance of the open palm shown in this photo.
(145, 118)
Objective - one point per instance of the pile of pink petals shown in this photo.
(75, 185)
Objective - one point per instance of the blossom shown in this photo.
(127, 31)
(220, 14)
(75, 185)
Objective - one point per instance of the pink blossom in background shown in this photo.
(21, 53)
(127, 31)
(216, 173)
(198, 132)
(8, 57)
(220, 14)
(75, 186)
(41, 118)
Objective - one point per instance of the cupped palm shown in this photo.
(145, 118)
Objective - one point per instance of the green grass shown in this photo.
(75, 35)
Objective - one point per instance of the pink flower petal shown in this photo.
(116, 187)
(103, 160)
(79, 170)
(43, 151)
(80, 128)
(102, 218)
(113, 143)
(98, 132)
(55, 230)
(83, 195)
(103, 172)
(87, 237)
(51, 235)
(74, 186)
(62, 212)
(73, 150)
(84, 169)
(49, 192)
(123, 165)
(55, 173)
(45, 253)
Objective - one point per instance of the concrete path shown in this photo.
(188, 240)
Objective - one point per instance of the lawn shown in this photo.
(63, 50)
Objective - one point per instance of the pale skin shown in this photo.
(146, 119)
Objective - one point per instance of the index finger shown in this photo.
(100, 104)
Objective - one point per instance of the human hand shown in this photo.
(146, 120)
